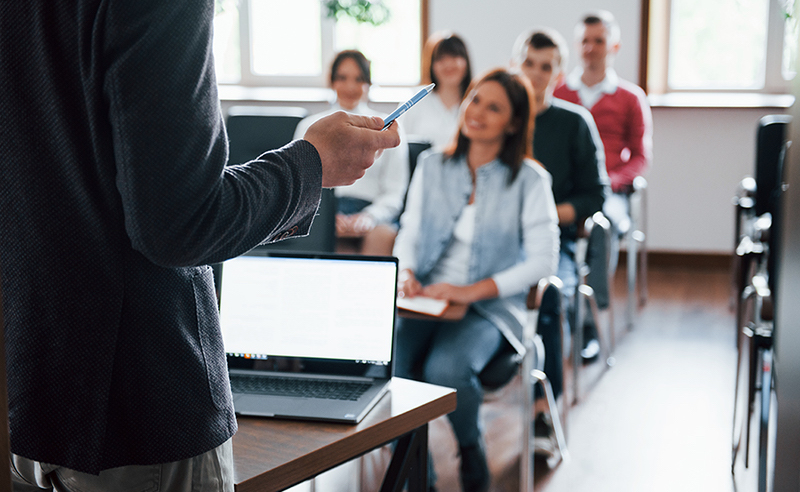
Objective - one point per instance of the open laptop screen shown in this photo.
(295, 307)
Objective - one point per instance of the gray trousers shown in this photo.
(211, 471)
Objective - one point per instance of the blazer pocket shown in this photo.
(211, 337)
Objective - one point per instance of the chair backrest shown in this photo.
(253, 130)
(415, 148)
(770, 146)
(597, 229)
(505, 363)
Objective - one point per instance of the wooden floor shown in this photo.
(659, 420)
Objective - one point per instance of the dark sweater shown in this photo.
(114, 194)
(568, 146)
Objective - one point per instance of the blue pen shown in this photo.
(402, 109)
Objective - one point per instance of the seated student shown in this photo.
(435, 118)
(567, 143)
(619, 108)
(480, 228)
(369, 207)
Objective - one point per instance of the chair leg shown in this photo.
(642, 270)
(751, 392)
(765, 368)
(552, 409)
(587, 295)
(641, 231)
(631, 274)
(526, 456)
(742, 377)
(612, 331)
(576, 324)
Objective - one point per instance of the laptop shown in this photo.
(308, 336)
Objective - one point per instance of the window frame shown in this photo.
(654, 52)
(249, 79)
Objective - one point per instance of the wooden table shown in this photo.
(274, 454)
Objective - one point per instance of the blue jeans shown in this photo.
(450, 354)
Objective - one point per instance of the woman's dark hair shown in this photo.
(358, 57)
(517, 145)
(439, 45)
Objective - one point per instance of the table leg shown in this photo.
(409, 463)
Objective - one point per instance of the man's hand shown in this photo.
(348, 144)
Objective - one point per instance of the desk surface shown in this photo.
(273, 454)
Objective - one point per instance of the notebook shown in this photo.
(308, 336)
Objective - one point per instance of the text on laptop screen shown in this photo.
(308, 307)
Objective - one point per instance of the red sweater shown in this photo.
(626, 128)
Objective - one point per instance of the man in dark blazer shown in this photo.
(114, 197)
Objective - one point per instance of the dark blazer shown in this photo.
(113, 195)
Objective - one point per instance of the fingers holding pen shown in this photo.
(348, 145)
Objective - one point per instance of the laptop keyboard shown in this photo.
(303, 388)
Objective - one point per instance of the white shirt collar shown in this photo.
(608, 85)
(362, 108)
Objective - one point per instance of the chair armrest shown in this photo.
(535, 294)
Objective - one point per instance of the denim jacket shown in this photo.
(516, 233)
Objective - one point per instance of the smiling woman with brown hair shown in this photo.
(480, 228)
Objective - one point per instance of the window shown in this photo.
(721, 45)
(292, 43)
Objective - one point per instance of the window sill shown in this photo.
(720, 100)
(239, 93)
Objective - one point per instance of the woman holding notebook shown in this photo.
(480, 228)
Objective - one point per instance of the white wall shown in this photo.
(490, 28)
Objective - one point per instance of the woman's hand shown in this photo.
(462, 294)
(454, 293)
(355, 225)
(408, 285)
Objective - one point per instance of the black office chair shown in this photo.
(757, 252)
(253, 130)
(416, 146)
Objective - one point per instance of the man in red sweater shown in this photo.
(619, 108)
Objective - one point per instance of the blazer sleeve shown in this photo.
(181, 205)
